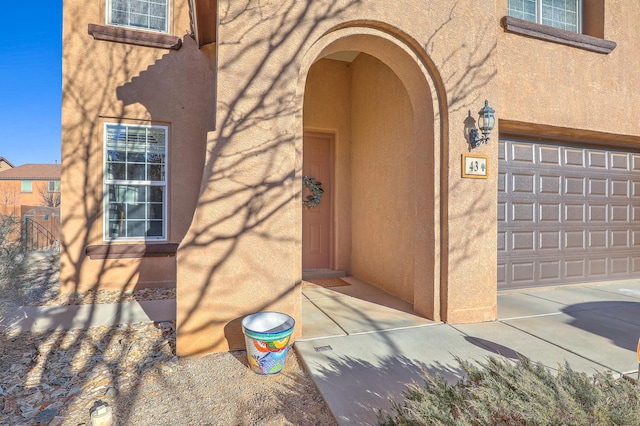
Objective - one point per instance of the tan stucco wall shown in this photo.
(552, 84)
(118, 82)
(242, 253)
(384, 218)
(433, 65)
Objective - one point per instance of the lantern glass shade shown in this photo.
(487, 119)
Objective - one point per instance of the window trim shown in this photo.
(556, 35)
(135, 37)
(106, 182)
(167, 29)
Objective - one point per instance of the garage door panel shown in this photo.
(522, 271)
(549, 155)
(620, 188)
(597, 267)
(574, 186)
(619, 214)
(502, 211)
(597, 213)
(575, 268)
(523, 212)
(521, 153)
(550, 270)
(502, 238)
(574, 157)
(550, 212)
(550, 241)
(567, 214)
(597, 160)
(619, 161)
(574, 213)
(523, 240)
(619, 239)
(523, 183)
(550, 185)
(598, 239)
(574, 240)
(620, 266)
(597, 187)
(502, 182)
(502, 276)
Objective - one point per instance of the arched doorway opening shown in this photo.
(369, 99)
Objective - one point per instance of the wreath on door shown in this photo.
(315, 187)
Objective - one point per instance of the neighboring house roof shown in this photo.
(4, 160)
(32, 172)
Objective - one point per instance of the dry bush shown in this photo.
(522, 393)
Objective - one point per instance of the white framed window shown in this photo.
(135, 182)
(26, 186)
(54, 186)
(563, 14)
(152, 15)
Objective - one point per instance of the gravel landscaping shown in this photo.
(61, 377)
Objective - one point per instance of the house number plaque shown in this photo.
(474, 166)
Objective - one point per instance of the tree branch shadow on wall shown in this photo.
(84, 153)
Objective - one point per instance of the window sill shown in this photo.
(138, 38)
(556, 35)
(131, 251)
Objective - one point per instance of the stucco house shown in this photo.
(30, 185)
(188, 126)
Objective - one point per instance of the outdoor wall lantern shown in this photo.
(486, 123)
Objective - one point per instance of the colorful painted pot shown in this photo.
(267, 335)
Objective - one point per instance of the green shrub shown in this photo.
(13, 261)
(522, 393)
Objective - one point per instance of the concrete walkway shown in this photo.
(48, 318)
(360, 362)
(362, 346)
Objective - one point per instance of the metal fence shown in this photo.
(41, 229)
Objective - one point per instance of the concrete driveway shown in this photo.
(362, 346)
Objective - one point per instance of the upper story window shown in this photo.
(135, 182)
(563, 14)
(152, 15)
(26, 186)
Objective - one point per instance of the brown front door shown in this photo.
(316, 221)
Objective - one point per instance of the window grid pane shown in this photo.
(135, 181)
(563, 14)
(523, 9)
(146, 14)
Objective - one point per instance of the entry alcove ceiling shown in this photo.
(204, 20)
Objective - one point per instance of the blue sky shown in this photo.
(30, 81)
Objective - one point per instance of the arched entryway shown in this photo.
(369, 97)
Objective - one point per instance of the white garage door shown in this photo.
(567, 214)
